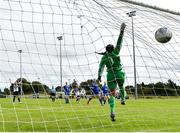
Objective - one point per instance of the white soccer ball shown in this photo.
(163, 35)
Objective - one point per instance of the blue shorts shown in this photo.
(105, 94)
(95, 92)
(67, 93)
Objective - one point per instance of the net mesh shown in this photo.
(86, 27)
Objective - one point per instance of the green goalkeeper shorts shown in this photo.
(115, 78)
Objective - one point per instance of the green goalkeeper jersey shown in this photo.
(112, 60)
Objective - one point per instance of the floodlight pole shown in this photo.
(60, 38)
(131, 14)
(20, 56)
(69, 81)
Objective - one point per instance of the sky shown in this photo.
(166, 4)
(83, 35)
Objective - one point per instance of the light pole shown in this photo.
(60, 60)
(131, 14)
(69, 80)
(20, 56)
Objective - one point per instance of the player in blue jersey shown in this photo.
(53, 94)
(67, 91)
(95, 91)
(105, 92)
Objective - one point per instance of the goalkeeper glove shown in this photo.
(123, 26)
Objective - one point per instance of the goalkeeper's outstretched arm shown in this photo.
(120, 38)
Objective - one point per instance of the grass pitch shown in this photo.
(41, 115)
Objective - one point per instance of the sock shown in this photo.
(53, 99)
(19, 99)
(112, 104)
(105, 101)
(122, 91)
(77, 99)
(100, 100)
(89, 99)
(14, 99)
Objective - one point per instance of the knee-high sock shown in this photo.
(19, 99)
(122, 91)
(14, 98)
(89, 100)
(112, 104)
(67, 100)
(104, 100)
(100, 100)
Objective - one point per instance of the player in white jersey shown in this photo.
(16, 92)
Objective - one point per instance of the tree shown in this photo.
(58, 88)
(159, 85)
(86, 86)
(171, 84)
(6, 91)
(29, 87)
(26, 87)
(46, 89)
(37, 87)
(74, 84)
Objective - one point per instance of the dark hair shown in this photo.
(109, 48)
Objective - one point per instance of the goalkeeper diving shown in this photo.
(115, 74)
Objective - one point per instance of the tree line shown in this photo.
(169, 88)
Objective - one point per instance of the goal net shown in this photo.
(45, 43)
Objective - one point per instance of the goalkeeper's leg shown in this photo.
(112, 84)
(121, 87)
(122, 91)
(112, 104)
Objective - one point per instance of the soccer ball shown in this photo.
(163, 35)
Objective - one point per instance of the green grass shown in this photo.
(42, 115)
